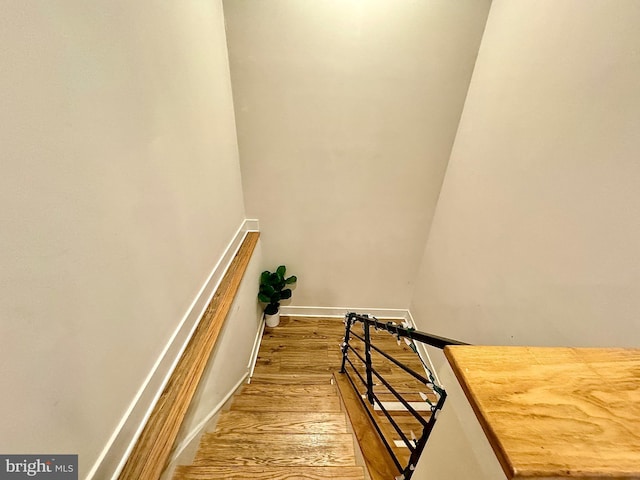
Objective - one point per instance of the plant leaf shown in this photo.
(272, 308)
(267, 290)
(264, 277)
(281, 270)
(291, 279)
(286, 293)
(263, 298)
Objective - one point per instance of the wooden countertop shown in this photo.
(553, 413)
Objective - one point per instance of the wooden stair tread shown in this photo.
(401, 382)
(196, 472)
(285, 402)
(283, 343)
(281, 422)
(303, 390)
(291, 378)
(276, 449)
(296, 365)
(285, 439)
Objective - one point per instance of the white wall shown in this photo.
(120, 190)
(535, 239)
(536, 232)
(346, 113)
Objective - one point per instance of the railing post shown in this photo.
(348, 320)
(367, 357)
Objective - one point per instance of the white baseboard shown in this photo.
(115, 453)
(256, 349)
(339, 312)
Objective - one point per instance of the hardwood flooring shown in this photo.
(289, 423)
(268, 473)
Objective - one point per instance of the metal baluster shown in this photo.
(349, 319)
(422, 441)
(367, 352)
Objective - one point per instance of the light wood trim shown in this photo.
(377, 459)
(552, 413)
(151, 452)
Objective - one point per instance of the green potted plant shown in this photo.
(272, 290)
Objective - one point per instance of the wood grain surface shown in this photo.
(554, 413)
(150, 453)
(290, 378)
(281, 422)
(288, 422)
(195, 472)
(284, 401)
(310, 390)
(379, 464)
(276, 449)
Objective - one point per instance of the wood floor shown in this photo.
(288, 423)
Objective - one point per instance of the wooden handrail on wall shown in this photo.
(151, 452)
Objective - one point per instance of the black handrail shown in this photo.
(399, 331)
(416, 446)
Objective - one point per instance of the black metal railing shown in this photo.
(372, 377)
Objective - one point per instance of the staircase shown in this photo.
(288, 422)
